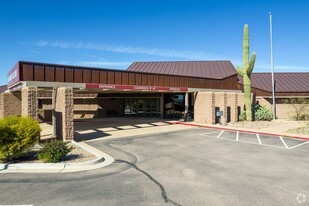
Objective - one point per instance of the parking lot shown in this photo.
(195, 166)
(203, 166)
(257, 139)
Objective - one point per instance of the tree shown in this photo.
(245, 72)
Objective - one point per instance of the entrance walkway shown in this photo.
(110, 128)
(116, 127)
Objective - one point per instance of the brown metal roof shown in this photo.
(285, 82)
(203, 69)
(3, 88)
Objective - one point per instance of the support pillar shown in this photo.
(64, 113)
(29, 102)
(162, 106)
(186, 102)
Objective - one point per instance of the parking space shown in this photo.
(252, 138)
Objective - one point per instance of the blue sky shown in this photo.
(113, 34)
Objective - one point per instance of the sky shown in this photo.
(115, 33)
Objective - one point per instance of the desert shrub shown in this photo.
(242, 116)
(259, 113)
(54, 151)
(262, 113)
(17, 135)
(300, 108)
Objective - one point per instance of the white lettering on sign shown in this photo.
(174, 89)
(104, 86)
(12, 76)
(144, 88)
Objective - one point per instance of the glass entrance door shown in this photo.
(142, 107)
(174, 105)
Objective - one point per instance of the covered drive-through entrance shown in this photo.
(62, 93)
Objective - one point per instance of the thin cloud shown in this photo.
(185, 54)
(283, 68)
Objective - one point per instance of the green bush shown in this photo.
(262, 113)
(259, 113)
(17, 135)
(54, 151)
(242, 116)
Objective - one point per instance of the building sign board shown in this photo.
(134, 87)
(13, 75)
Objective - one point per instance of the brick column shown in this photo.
(213, 108)
(29, 102)
(64, 113)
(224, 109)
(204, 107)
(232, 101)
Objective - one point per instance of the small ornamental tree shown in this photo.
(245, 72)
(17, 135)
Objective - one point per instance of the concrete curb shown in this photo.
(243, 130)
(102, 160)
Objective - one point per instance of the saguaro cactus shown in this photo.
(245, 72)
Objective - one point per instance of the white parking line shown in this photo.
(258, 137)
(265, 145)
(283, 142)
(203, 134)
(220, 134)
(298, 145)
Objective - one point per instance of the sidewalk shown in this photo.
(275, 130)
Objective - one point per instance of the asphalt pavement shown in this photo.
(195, 166)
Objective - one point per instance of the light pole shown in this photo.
(272, 66)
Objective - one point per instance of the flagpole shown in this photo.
(272, 66)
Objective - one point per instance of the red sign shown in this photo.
(133, 87)
(13, 75)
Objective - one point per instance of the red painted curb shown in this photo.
(239, 130)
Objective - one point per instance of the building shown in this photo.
(152, 89)
(288, 85)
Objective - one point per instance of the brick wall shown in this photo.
(204, 107)
(10, 104)
(86, 108)
(283, 110)
(206, 104)
(64, 113)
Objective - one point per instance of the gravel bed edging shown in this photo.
(102, 160)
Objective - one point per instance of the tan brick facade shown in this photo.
(10, 104)
(283, 110)
(29, 102)
(206, 104)
(204, 107)
(64, 113)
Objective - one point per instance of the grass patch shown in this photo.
(300, 130)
